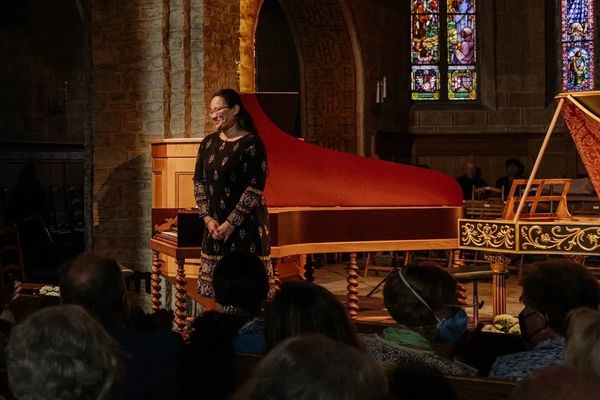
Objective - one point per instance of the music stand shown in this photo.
(395, 268)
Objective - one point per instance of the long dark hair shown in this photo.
(301, 308)
(240, 280)
(233, 98)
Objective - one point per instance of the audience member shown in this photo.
(514, 170)
(61, 352)
(422, 300)
(583, 340)
(550, 291)
(97, 284)
(315, 367)
(300, 308)
(557, 382)
(241, 285)
(470, 179)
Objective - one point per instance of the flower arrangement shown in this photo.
(504, 323)
(50, 291)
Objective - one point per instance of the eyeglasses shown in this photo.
(217, 110)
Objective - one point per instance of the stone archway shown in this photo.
(330, 69)
(327, 71)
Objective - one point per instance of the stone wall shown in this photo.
(382, 47)
(518, 80)
(220, 48)
(143, 89)
(127, 114)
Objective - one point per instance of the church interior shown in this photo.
(389, 127)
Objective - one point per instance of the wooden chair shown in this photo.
(487, 193)
(484, 209)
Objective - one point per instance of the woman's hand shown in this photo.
(213, 228)
(225, 230)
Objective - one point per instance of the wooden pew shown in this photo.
(430, 387)
(409, 386)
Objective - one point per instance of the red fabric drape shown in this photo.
(585, 131)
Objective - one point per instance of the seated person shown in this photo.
(583, 340)
(471, 178)
(315, 367)
(241, 286)
(300, 308)
(514, 170)
(421, 299)
(550, 291)
(96, 283)
(61, 352)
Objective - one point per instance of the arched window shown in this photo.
(443, 50)
(577, 39)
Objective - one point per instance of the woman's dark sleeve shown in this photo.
(200, 182)
(254, 167)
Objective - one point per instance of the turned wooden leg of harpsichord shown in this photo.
(155, 278)
(352, 288)
(181, 298)
(499, 266)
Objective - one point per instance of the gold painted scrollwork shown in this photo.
(560, 238)
(488, 235)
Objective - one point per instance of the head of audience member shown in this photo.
(300, 308)
(582, 351)
(315, 367)
(227, 111)
(514, 168)
(471, 170)
(550, 291)
(62, 352)
(241, 283)
(424, 297)
(96, 283)
(557, 382)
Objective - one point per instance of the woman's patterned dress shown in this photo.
(228, 185)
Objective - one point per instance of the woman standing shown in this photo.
(231, 172)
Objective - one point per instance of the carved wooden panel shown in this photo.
(329, 76)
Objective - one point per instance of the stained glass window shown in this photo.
(447, 71)
(577, 38)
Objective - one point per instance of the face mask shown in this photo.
(451, 328)
(525, 334)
